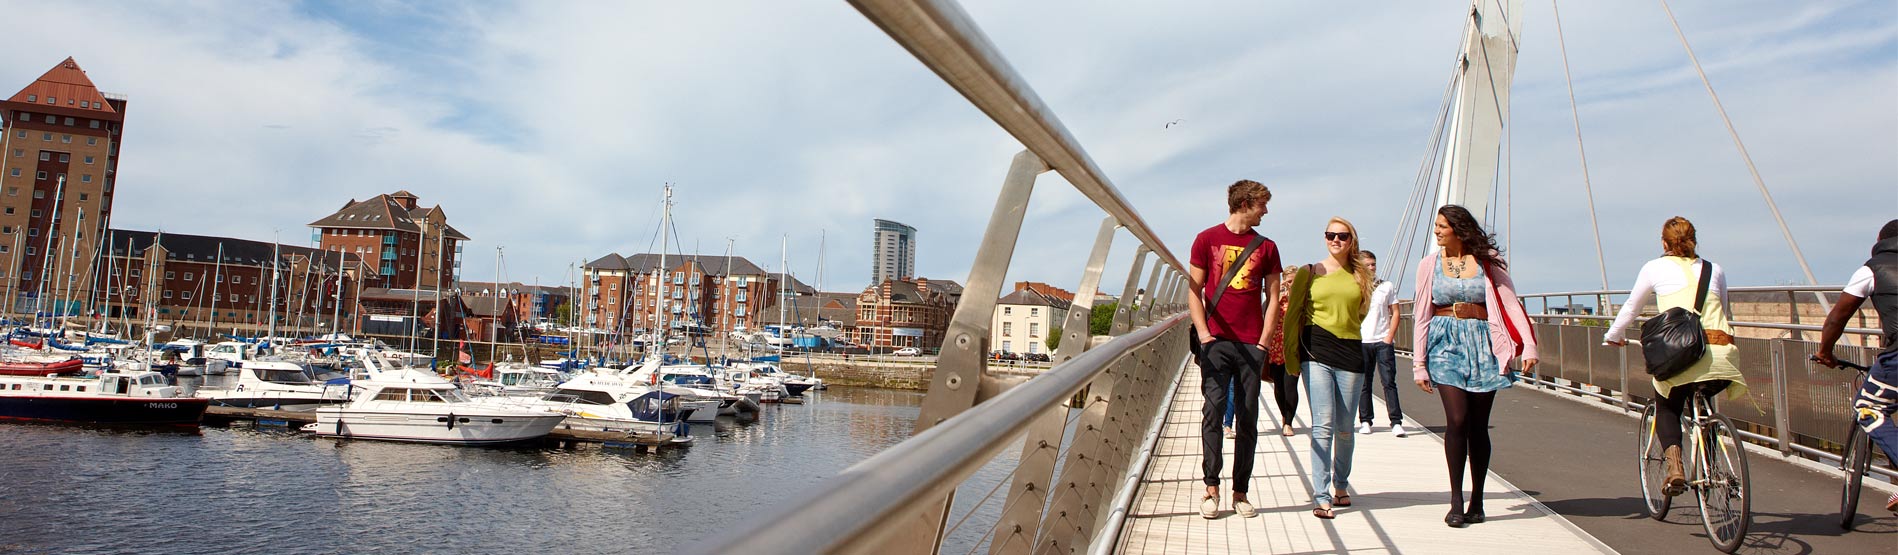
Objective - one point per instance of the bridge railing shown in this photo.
(1080, 433)
(1793, 405)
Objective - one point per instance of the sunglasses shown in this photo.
(1338, 236)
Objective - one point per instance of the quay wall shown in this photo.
(912, 373)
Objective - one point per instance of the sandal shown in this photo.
(1343, 500)
(1324, 513)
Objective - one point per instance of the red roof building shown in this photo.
(58, 161)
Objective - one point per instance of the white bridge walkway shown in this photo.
(1400, 493)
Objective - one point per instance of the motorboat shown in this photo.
(72, 365)
(421, 407)
(515, 380)
(274, 384)
(602, 404)
(126, 398)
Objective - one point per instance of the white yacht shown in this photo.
(603, 404)
(273, 384)
(415, 406)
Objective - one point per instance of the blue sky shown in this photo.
(549, 128)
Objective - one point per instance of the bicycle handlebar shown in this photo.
(1843, 362)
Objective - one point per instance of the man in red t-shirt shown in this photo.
(1233, 336)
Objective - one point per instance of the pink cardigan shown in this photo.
(1498, 284)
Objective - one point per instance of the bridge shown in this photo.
(1099, 454)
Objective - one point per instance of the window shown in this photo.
(1034, 311)
(88, 159)
(170, 274)
(1034, 329)
(393, 394)
(46, 136)
(1008, 346)
(1008, 310)
(95, 124)
(187, 277)
(167, 293)
(86, 178)
(65, 139)
(40, 194)
(51, 119)
(233, 297)
(1008, 329)
(82, 196)
(68, 121)
(1034, 347)
(134, 272)
(91, 141)
(65, 158)
(187, 295)
(46, 156)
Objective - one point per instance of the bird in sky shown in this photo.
(1170, 124)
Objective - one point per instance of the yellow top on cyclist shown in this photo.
(1721, 361)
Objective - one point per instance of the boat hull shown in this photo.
(148, 411)
(472, 428)
(73, 366)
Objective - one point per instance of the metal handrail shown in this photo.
(943, 37)
(856, 503)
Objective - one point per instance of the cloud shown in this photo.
(550, 128)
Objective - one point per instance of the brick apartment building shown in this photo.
(718, 292)
(409, 246)
(906, 313)
(203, 283)
(530, 302)
(58, 161)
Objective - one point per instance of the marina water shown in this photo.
(240, 489)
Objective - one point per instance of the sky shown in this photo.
(548, 129)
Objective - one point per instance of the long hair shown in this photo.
(1677, 238)
(1470, 234)
(1353, 265)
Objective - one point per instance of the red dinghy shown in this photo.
(24, 343)
(72, 366)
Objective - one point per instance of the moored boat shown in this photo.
(421, 407)
(130, 398)
(32, 368)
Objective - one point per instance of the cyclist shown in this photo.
(1674, 279)
(1878, 281)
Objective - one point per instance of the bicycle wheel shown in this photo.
(1856, 459)
(1653, 466)
(1725, 499)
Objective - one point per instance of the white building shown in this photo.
(1023, 322)
(892, 252)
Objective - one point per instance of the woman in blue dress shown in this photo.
(1466, 335)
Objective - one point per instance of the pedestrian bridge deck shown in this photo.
(1399, 491)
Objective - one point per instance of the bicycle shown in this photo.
(1856, 459)
(1715, 465)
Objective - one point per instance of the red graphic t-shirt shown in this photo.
(1240, 315)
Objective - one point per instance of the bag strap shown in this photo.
(1700, 293)
(1233, 270)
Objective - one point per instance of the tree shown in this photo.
(1102, 319)
(562, 312)
(1054, 338)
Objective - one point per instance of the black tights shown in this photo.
(1667, 413)
(1285, 391)
(1466, 438)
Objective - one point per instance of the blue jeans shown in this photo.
(1333, 395)
(1876, 403)
(1232, 399)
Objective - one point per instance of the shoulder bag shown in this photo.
(1225, 283)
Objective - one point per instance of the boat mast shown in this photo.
(441, 241)
(217, 279)
(46, 254)
(664, 305)
(276, 254)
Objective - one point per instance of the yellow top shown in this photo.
(1722, 361)
(1337, 304)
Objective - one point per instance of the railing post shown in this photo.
(1781, 418)
(1028, 492)
(1064, 527)
(1163, 301)
(1146, 298)
(1123, 312)
(961, 379)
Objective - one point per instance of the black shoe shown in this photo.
(1454, 519)
(1473, 517)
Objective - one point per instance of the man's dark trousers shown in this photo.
(1381, 361)
(1236, 363)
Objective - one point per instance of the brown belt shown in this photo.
(1717, 337)
(1465, 311)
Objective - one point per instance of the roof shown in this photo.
(398, 295)
(1028, 297)
(421, 215)
(797, 287)
(485, 306)
(515, 286)
(947, 287)
(644, 263)
(67, 87)
(379, 212)
(204, 248)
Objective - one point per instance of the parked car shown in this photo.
(908, 352)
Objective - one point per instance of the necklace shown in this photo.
(1455, 266)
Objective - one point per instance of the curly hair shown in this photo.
(1244, 192)
(1470, 234)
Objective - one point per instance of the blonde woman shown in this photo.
(1322, 342)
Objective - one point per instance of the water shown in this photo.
(66, 489)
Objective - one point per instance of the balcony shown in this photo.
(388, 239)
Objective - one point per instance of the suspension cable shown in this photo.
(1748, 158)
(1588, 188)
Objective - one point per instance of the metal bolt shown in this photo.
(955, 381)
(962, 340)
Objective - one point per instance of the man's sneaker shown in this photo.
(1244, 509)
(1209, 507)
(1230, 434)
(1398, 430)
(1364, 428)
